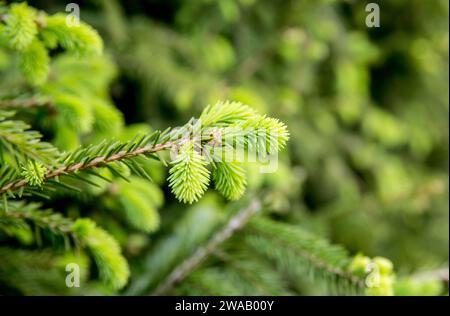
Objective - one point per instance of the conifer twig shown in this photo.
(314, 258)
(233, 225)
(44, 218)
(94, 163)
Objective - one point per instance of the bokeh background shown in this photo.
(367, 109)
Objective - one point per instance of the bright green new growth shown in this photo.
(32, 34)
(34, 62)
(34, 172)
(20, 26)
(223, 113)
(276, 131)
(230, 179)
(79, 39)
(189, 177)
(24, 144)
(378, 273)
(232, 127)
(113, 268)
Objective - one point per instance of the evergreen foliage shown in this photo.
(20, 26)
(360, 182)
(105, 250)
(189, 177)
(230, 179)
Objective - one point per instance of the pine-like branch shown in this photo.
(84, 232)
(300, 252)
(93, 162)
(41, 218)
(189, 176)
(24, 144)
(233, 225)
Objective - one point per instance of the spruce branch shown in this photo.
(42, 218)
(95, 162)
(32, 33)
(230, 179)
(113, 267)
(283, 243)
(105, 250)
(20, 27)
(193, 144)
(22, 143)
(234, 224)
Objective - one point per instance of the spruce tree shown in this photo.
(81, 185)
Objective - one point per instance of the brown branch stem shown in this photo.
(233, 225)
(95, 163)
(318, 262)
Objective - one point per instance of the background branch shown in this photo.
(234, 224)
(94, 163)
(33, 102)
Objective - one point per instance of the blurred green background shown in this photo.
(367, 108)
